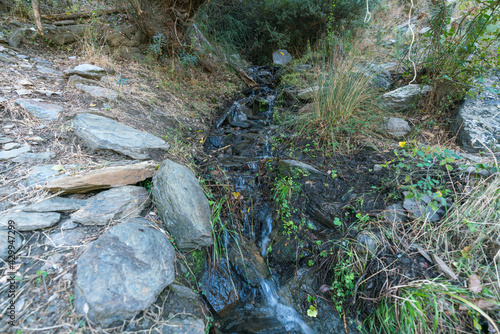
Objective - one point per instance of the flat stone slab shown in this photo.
(114, 204)
(405, 97)
(29, 221)
(99, 92)
(102, 133)
(11, 154)
(56, 204)
(40, 109)
(478, 120)
(123, 272)
(109, 177)
(87, 71)
(43, 157)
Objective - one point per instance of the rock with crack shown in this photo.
(404, 98)
(98, 92)
(122, 273)
(113, 204)
(477, 121)
(102, 133)
(397, 127)
(28, 221)
(86, 71)
(182, 206)
(221, 291)
(105, 178)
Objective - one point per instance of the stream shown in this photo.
(246, 294)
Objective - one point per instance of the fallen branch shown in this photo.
(78, 15)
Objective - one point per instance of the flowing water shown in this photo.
(240, 140)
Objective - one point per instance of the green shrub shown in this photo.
(257, 28)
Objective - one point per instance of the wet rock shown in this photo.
(102, 133)
(281, 57)
(240, 124)
(221, 291)
(11, 154)
(110, 177)
(43, 157)
(29, 221)
(477, 121)
(404, 98)
(182, 205)
(421, 208)
(123, 272)
(308, 93)
(249, 264)
(114, 204)
(16, 243)
(56, 204)
(86, 71)
(395, 213)
(41, 110)
(98, 92)
(397, 127)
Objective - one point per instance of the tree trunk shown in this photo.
(38, 19)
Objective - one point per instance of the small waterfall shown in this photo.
(285, 314)
(266, 231)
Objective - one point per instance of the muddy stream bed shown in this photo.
(285, 213)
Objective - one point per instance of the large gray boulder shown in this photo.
(113, 204)
(405, 97)
(182, 205)
(478, 119)
(123, 272)
(102, 133)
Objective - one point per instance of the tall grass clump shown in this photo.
(343, 101)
